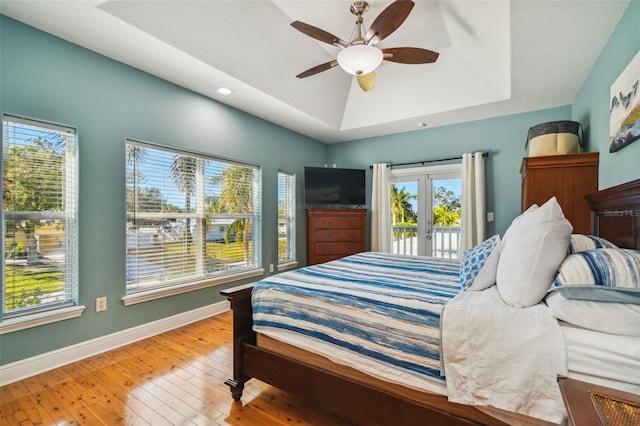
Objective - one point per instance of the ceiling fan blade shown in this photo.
(409, 55)
(388, 21)
(367, 81)
(319, 34)
(318, 69)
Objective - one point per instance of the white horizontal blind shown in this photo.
(189, 217)
(286, 217)
(39, 215)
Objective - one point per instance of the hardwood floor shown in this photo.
(176, 378)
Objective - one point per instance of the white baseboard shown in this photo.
(28, 367)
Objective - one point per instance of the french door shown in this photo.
(425, 210)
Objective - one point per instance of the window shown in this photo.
(39, 216)
(286, 218)
(425, 210)
(190, 218)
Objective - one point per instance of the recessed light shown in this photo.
(224, 90)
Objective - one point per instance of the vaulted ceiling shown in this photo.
(496, 57)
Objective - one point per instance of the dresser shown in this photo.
(567, 177)
(334, 233)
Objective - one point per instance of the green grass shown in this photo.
(231, 252)
(179, 263)
(25, 284)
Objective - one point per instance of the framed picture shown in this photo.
(624, 112)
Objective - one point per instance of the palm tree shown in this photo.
(237, 198)
(400, 206)
(135, 155)
(183, 174)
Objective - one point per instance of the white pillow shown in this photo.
(479, 264)
(517, 222)
(532, 254)
(487, 275)
(608, 317)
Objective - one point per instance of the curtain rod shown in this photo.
(484, 154)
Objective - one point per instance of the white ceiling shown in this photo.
(497, 57)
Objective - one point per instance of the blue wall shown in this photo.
(50, 79)
(591, 106)
(502, 137)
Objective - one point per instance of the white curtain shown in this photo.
(473, 201)
(381, 208)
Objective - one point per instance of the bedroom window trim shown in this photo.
(285, 266)
(286, 221)
(182, 234)
(40, 318)
(159, 293)
(41, 228)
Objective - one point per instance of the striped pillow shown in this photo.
(581, 242)
(606, 275)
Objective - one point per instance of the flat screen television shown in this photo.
(333, 186)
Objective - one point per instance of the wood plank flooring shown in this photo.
(176, 378)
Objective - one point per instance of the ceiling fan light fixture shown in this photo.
(360, 59)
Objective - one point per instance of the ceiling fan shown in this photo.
(360, 56)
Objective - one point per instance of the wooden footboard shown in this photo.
(240, 299)
(361, 403)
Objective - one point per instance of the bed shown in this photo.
(412, 384)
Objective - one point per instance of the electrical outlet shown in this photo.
(271, 268)
(101, 304)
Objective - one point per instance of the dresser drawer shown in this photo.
(338, 222)
(338, 235)
(335, 233)
(339, 248)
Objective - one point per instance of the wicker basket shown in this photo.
(554, 138)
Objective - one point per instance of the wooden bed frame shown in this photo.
(616, 214)
(616, 217)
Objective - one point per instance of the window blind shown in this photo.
(39, 216)
(286, 217)
(189, 217)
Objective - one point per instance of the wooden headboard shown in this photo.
(616, 214)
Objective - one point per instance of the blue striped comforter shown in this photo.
(374, 311)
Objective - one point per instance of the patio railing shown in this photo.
(444, 240)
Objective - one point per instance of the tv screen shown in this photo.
(323, 185)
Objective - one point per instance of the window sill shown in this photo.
(41, 318)
(146, 296)
(287, 265)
